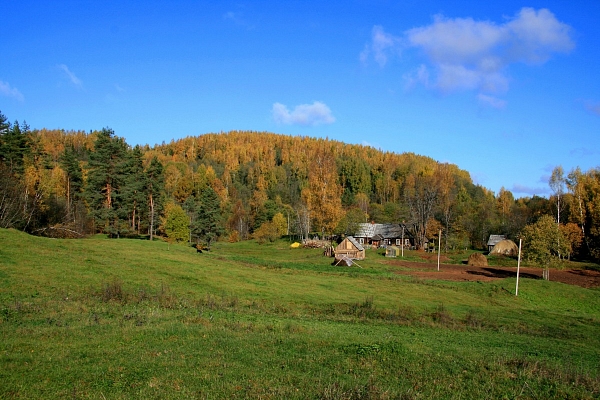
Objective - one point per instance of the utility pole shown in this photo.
(439, 247)
(518, 267)
(402, 240)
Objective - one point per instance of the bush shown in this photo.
(267, 232)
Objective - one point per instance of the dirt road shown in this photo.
(451, 272)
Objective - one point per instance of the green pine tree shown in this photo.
(105, 180)
(14, 144)
(133, 196)
(208, 225)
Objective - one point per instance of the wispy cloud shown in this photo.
(465, 54)
(584, 152)
(529, 190)
(7, 90)
(491, 101)
(237, 18)
(381, 45)
(593, 108)
(72, 77)
(313, 114)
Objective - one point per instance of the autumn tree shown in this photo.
(350, 222)
(176, 223)
(573, 238)
(421, 194)
(575, 187)
(504, 203)
(154, 187)
(280, 224)
(557, 184)
(11, 199)
(590, 188)
(74, 179)
(447, 196)
(324, 193)
(540, 242)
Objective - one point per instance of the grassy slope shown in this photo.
(102, 318)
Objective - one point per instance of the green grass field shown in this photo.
(119, 319)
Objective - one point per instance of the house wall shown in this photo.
(346, 248)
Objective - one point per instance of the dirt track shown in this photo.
(451, 272)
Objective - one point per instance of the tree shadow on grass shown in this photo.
(501, 273)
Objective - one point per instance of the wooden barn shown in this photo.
(350, 248)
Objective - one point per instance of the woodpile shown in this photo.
(315, 244)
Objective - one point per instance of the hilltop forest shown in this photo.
(240, 184)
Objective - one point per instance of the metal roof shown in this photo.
(495, 239)
(355, 243)
(387, 231)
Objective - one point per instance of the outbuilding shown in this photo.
(493, 240)
(350, 248)
(392, 251)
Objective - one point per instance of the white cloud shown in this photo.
(491, 101)
(381, 44)
(74, 79)
(465, 54)
(418, 76)
(313, 114)
(7, 90)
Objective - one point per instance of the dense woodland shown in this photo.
(240, 185)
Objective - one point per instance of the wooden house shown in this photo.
(350, 248)
(383, 235)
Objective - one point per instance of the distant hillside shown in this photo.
(237, 184)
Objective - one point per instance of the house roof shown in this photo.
(355, 243)
(495, 239)
(386, 231)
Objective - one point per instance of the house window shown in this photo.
(398, 242)
(361, 240)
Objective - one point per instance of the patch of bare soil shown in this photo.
(452, 272)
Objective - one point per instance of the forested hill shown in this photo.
(233, 184)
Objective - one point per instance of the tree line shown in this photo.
(241, 184)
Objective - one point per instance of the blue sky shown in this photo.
(506, 91)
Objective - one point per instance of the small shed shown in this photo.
(377, 240)
(392, 251)
(493, 240)
(350, 248)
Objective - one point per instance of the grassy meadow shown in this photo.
(119, 319)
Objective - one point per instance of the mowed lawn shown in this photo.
(116, 319)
